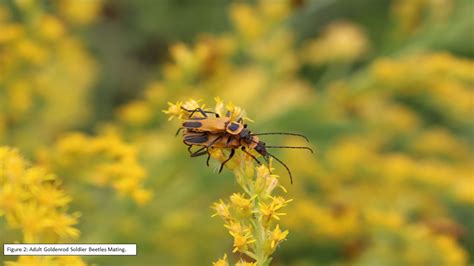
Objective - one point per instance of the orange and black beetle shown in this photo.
(215, 124)
(217, 132)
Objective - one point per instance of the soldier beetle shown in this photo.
(215, 124)
(217, 132)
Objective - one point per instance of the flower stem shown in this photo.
(261, 258)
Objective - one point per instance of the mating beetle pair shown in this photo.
(222, 132)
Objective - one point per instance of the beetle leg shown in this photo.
(229, 139)
(214, 141)
(232, 152)
(189, 149)
(199, 152)
(208, 157)
(251, 155)
(204, 113)
(179, 130)
(194, 111)
(207, 112)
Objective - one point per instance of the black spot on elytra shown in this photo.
(196, 139)
(192, 124)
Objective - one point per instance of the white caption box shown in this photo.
(69, 249)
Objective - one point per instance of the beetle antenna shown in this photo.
(282, 163)
(253, 157)
(291, 147)
(281, 133)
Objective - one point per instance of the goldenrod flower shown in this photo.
(242, 240)
(340, 42)
(222, 209)
(136, 113)
(49, 195)
(80, 12)
(234, 112)
(101, 160)
(277, 236)
(235, 226)
(142, 196)
(31, 218)
(32, 201)
(266, 182)
(221, 262)
(242, 262)
(62, 225)
(271, 210)
(241, 204)
(176, 109)
(11, 195)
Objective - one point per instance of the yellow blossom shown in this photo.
(136, 113)
(62, 225)
(80, 12)
(246, 21)
(277, 236)
(51, 27)
(221, 262)
(241, 204)
(242, 241)
(340, 42)
(176, 110)
(49, 195)
(271, 210)
(142, 196)
(245, 263)
(105, 160)
(32, 201)
(221, 209)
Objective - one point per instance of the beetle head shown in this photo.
(245, 135)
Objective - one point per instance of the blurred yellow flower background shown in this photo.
(383, 89)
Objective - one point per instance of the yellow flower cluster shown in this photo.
(103, 160)
(80, 12)
(32, 200)
(406, 161)
(45, 74)
(340, 42)
(410, 15)
(394, 165)
(254, 22)
(251, 217)
(443, 78)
